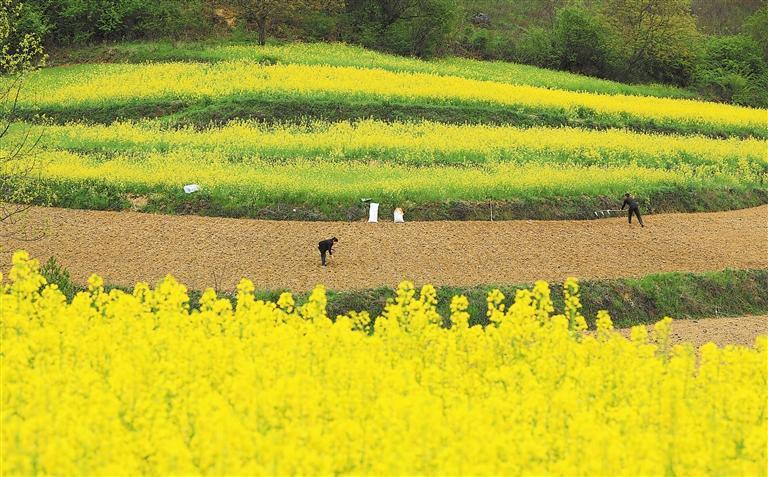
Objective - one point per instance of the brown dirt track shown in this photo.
(741, 330)
(126, 247)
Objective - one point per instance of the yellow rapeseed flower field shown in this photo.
(310, 182)
(138, 383)
(402, 161)
(400, 142)
(103, 84)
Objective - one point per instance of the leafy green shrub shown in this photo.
(733, 69)
(537, 48)
(58, 275)
(482, 43)
(581, 42)
(423, 28)
(66, 22)
(757, 27)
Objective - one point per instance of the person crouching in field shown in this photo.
(326, 246)
(633, 208)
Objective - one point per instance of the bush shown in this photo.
(66, 22)
(481, 43)
(487, 44)
(536, 48)
(676, 69)
(739, 54)
(316, 26)
(732, 68)
(757, 27)
(581, 42)
(421, 28)
(55, 274)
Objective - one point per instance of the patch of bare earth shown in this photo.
(127, 247)
(742, 330)
(138, 202)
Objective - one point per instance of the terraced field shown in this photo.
(306, 137)
(450, 139)
(323, 169)
(232, 376)
(454, 139)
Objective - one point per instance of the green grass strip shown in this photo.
(276, 108)
(95, 194)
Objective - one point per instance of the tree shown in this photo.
(723, 17)
(733, 69)
(756, 26)
(262, 12)
(654, 38)
(581, 42)
(406, 27)
(546, 10)
(20, 53)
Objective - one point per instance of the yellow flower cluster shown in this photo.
(380, 140)
(338, 54)
(128, 383)
(101, 84)
(349, 181)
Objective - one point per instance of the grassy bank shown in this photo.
(483, 200)
(629, 301)
(277, 108)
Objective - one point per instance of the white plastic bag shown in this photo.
(399, 216)
(191, 188)
(373, 213)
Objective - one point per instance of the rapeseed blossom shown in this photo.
(299, 181)
(338, 54)
(416, 143)
(413, 162)
(99, 85)
(128, 383)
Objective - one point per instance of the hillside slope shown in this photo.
(304, 132)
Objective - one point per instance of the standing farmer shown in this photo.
(326, 246)
(633, 208)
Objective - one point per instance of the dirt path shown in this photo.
(740, 330)
(126, 247)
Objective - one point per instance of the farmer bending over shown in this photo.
(326, 246)
(633, 208)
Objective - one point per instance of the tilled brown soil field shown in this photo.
(127, 247)
(742, 330)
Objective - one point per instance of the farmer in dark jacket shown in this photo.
(633, 208)
(326, 246)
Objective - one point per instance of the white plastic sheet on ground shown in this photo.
(190, 188)
(373, 213)
(399, 216)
